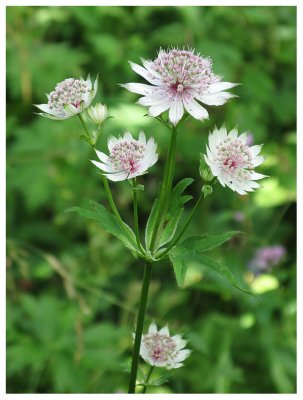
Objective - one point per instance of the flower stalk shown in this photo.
(147, 378)
(139, 327)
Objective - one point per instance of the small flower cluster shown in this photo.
(232, 161)
(159, 349)
(70, 97)
(128, 157)
(267, 257)
(179, 78)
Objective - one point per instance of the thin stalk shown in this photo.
(136, 218)
(176, 240)
(83, 124)
(139, 327)
(166, 187)
(147, 379)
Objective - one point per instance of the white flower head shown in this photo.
(70, 97)
(178, 78)
(97, 114)
(232, 161)
(127, 157)
(162, 350)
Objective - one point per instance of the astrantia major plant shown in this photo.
(179, 81)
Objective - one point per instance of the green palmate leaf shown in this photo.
(175, 210)
(191, 249)
(109, 223)
(206, 242)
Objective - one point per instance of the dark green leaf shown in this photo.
(206, 242)
(174, 213)
(175, 210)
(109, 223)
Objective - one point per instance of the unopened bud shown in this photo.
(207, 190)
(205, 171)
(97, 114)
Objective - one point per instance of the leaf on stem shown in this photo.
(191, 249)
(109, 223)
(174, 213)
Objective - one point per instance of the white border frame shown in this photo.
(299, 5)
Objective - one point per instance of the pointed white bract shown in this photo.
(97, 114)
(70, 97)
(178, 78)
(160, 349)
(232, 161)
(127, 157)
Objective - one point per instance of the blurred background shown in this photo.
(72, 290)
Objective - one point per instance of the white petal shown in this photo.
(164, 331)
(176, 111)
(111, 142)
(127, 136)
(182, 355)
(219, 86)
(255, 150)
(142, 138)
(194, 109)
(102, 157)
(233, 134)
(256, 176)
(115, 177)
(235, 187)
(157, 96)
(243, 137)
(139, 88)
(158, 109)
(178, 365)
(216, 99)
(45, 108)
(102, 166)
(221, 180)
(88, 81)
(180, 343)
(144, 73)
(152, 328)
(258, 161)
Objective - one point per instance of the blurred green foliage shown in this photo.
(72, 290)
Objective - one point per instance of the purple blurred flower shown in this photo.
(266, 257)
(239, 216)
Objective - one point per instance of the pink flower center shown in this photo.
(161, 347)
(126, 155)
(234, 161)
(182, 70)
(68, 92)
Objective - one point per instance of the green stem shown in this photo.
(176, 240)
(136, 219)
(166, 188)
(139, 327)
(147, 378)
(113, 206)
(83, 124)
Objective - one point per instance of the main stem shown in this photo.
(174, 242)
(166, 188)
(139, 327)
(136, 219)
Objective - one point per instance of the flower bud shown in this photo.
(97, 114)
(205, 171)
(207, 190)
